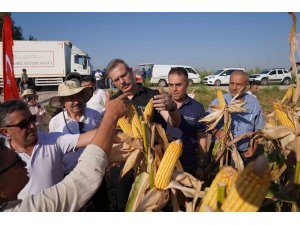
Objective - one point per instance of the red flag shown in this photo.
(9, 80)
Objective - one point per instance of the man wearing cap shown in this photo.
(75, 118)
(30, 98)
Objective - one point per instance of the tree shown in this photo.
(17, 30)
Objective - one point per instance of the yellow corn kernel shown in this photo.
(136, 126)
(148, 112)
(288, 95)
(167, 165)
(226, 176)
(125, 126)
(221, 99)
(250, 188)
(282, 116)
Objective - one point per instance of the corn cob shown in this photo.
(125, 126)
(167, 164)
(288, 95)
(221, 99)
(136, 126)
(148, 112)
(226, 176)
(250, 188)
(282, 116)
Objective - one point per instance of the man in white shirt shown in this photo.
(97, 101)
(74, 190)
(99, 78)
(42, 152)
(75, 117)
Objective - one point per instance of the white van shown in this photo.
(158, 74)
(220, 76)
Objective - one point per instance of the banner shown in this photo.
(9, 81)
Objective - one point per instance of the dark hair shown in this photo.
(254, 82)
(89, 78)
(179, 71)
(114, 63)
(6, 108)
(24, 70)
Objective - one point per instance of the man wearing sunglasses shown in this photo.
(74, 190)
(42, 152)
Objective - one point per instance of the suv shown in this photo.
(220, 76)
(276, 75)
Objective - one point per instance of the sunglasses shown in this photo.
(18, 161)
(25, 123)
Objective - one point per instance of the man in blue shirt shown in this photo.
(242, 122)
(190, 131)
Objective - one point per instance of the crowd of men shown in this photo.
(65, 169)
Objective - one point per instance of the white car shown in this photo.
(221, 76)
(158, 74)
(275, 75)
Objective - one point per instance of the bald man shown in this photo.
(242, 122)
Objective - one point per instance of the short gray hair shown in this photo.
(6, 108)
(114, 63)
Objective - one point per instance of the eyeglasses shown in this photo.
(25, 123)
(18, 161)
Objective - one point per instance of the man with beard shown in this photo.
(165, 112)
(42, 152)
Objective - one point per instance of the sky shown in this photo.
(205, 41)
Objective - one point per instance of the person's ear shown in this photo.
(4, 132)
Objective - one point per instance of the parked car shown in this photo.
(275, 75)
(158, 74)
(221, 76)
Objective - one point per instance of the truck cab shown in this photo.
(80, 62)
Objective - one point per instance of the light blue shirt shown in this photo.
(243, 122)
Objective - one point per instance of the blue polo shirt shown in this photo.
(243, 122)
(191, 112)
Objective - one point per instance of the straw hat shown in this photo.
(27, 92)
(69, 88)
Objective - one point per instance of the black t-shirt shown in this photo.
(140, 100)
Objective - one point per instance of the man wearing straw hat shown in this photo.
(30, 97)
(75, 118)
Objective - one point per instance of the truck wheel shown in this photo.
(286, 81)
(217, 83)
(162, 83)
(191, 82)
(264, 81)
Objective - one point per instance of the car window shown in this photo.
(190, 70)
(280, 72)
(273, 72)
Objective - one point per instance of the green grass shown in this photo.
(266, 96)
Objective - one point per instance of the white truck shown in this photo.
(275, 75)
(158, 74)
(48, 62)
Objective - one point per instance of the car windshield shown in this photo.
(218, 72)
(265, 71)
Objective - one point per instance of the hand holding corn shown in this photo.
(163, 101)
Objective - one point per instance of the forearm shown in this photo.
(174, 118)
(105, 133)
(202, 148)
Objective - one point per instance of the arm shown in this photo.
(167, 108)
(87, 176)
